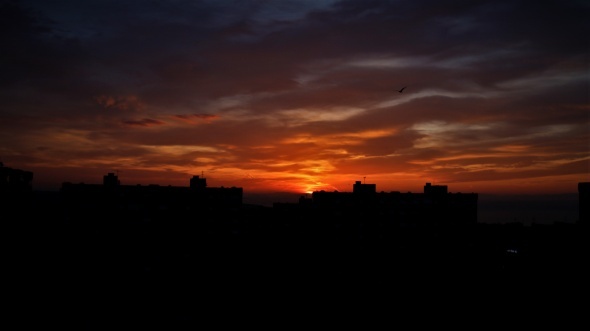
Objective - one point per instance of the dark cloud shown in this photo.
(146, 122)
(496, 90)
(195, 118)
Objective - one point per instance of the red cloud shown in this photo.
(124, 103)
(146, 122)
(191, 118)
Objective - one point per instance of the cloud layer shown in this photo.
(298, 96)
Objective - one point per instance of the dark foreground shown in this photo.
(104, 272)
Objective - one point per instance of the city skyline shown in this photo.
(507, 208)
(291, 97)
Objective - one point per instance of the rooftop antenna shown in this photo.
(202, 174)
(364, 179)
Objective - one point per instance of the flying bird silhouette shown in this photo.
(400, 91)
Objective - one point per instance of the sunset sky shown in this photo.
(298, 95)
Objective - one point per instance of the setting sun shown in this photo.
(298, 96)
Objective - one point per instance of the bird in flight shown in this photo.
(402, 89)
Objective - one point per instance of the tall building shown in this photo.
(583, 202)
(13, 181)
(435, 206)
(148, 201)
(16, 193)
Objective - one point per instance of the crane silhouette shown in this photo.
(402, 89)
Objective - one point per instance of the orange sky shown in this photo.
(297, 96)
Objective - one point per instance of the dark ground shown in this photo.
(98, 271)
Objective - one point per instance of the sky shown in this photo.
(298, 96)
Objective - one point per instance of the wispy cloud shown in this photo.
(146, 122)
(196, 118)
(299, 95)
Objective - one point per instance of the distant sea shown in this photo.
(525, 209)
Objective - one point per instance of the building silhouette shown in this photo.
(16, 191)
(148, 202)
(15, 181)
(434, 207)
(583, 203)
